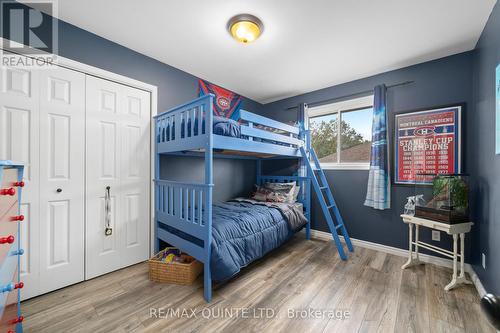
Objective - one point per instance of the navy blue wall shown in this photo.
(174, 86)
(485, 165)
(439, 82)
(232, 178)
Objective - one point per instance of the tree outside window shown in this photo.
(351, 145)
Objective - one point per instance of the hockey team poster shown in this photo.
(427, 142)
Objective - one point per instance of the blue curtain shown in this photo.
(378, 192)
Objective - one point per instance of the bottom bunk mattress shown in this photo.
(244, 230)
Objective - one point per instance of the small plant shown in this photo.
(451, 189)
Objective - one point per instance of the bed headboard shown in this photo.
(304, 193)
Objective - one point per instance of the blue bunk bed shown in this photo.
(184, 211)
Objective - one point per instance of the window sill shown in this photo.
(345, 166)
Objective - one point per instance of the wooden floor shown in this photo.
(370, 290)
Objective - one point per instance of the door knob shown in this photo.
(59, 190)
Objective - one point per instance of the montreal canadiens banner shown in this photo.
(427, 142)
(226, 103)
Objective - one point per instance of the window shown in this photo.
(350, 147)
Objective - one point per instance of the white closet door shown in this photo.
(117, 126)
(62, 160)
(19, 141)
(135, 175)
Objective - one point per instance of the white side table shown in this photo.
(455, 230)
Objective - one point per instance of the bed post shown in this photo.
(308, 188)
(207, 276)
(156, 197)
(258, 167)
(304, 135)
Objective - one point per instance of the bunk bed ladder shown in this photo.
(328, 204)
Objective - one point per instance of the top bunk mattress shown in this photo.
(221, 126)
(180, 130)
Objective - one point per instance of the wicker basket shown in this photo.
(175, 272)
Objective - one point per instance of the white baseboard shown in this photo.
(475, 279)
(322, 235)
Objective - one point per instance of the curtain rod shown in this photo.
(326, 101)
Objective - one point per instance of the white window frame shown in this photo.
(337, 108)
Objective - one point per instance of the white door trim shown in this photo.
(107, 75)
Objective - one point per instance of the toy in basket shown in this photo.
(172, 266)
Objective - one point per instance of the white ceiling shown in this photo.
(306, 45)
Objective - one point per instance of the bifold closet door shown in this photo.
(117, 176)
(42, 119)
(62, 182)
(19, 141)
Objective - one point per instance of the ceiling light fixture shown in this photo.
(245, 28)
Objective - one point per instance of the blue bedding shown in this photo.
(226, 127)
(243, 232)
(221, 126)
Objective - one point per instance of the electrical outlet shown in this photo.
(483, 260)
(436, 235)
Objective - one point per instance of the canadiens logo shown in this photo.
(425, 131)
(223, 102)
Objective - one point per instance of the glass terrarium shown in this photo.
(445, 200)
